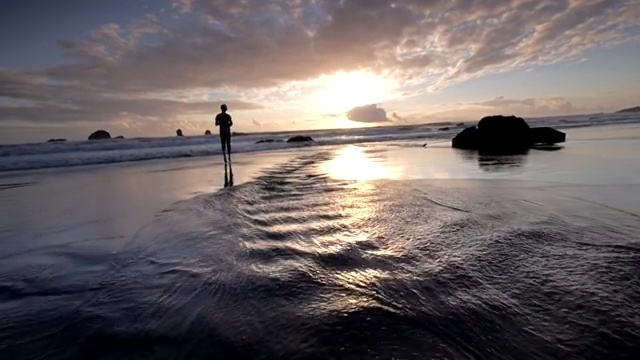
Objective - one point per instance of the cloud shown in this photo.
(239, 46)
(265, 43)
(148, 24)
(367, 114)
(397, 118)
(528, 107)
(183, 6)
(31, 99)
(536, 106)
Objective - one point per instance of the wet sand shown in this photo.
(410, 252)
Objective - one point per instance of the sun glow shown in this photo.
(342, 92)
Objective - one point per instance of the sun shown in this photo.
(343, 91)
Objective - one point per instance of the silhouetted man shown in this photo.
(224, 121)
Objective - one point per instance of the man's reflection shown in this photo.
(228, 175)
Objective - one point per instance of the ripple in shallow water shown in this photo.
(299, 265)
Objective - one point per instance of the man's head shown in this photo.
(223, 107)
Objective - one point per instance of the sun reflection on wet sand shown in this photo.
(353, 163)
(333, 240)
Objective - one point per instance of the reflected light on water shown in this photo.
(353, 163)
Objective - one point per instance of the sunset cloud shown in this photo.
(500, 105)
(367, 113)
(235, 47)
(552, 105)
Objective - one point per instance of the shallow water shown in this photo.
(299, 265)
(324, 256)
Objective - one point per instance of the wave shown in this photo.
(48, 155)
(39, 156)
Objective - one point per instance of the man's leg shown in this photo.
(222, 143)
(228, 140)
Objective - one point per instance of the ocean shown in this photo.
(364, 245)
(78, 153)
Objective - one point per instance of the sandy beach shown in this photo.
(310, 239)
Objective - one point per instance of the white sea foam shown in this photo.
(47, 155)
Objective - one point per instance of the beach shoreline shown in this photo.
(393, 233)
(120, 192)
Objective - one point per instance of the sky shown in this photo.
(148, 67)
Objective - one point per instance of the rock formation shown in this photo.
(300, 138)
(505, 134)
(100, 135)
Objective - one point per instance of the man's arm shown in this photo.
(217, 120)
(230, 121)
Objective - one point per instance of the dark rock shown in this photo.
(460, 124)
(446, 128)
(100, 135)
(504, 134)
(56, 140)
(424, 145)
(120, 137)
(179, 132)
(300, 138)
(496, 133)
(547, 135)
(467, 139)
(208, 132)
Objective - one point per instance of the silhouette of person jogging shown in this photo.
(224, 121)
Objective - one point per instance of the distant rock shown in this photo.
(505, 134)
(179, 132)
(207, 132)
(120, 137)
(100, 135)
(446, 128)
(460, 124)
(56, 140)
(629, 110)
(300, 138)
(236, 133)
